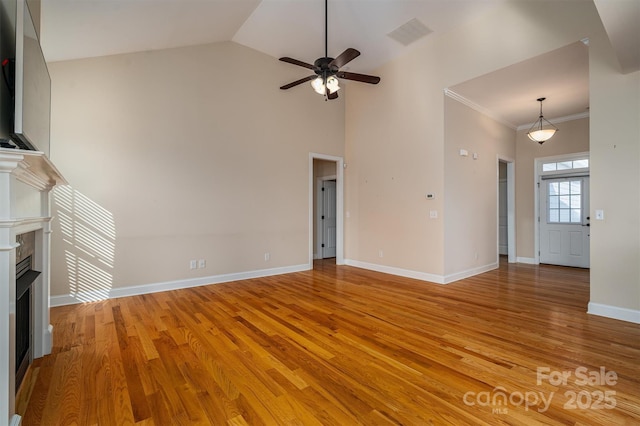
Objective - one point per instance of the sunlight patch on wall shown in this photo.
(89, 233)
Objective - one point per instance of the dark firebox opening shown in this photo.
(25, 277)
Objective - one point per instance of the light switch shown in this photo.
(433, 214)
(599, 214)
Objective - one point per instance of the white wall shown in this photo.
(189, 153)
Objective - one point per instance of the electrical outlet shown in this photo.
(267, 256)
(193, 264)
(202, 263)
(433, 214)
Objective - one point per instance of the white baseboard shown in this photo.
(614, 312)
(424, 276)
(16, 420)
(437, 279)
(89, 296)
(470, 272)
(48, 339)
(528, 260)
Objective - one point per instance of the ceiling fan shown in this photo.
(327, 70)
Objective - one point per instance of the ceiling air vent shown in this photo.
(410, 32)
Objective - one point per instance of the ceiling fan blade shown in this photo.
(371, 79)
(296, 62)
(344, 58)
(333, 95)
(295, 83)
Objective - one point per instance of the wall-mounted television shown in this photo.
(32, 94)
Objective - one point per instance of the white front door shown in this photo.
(329, 219)
(564, 221)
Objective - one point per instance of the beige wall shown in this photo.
(323, 168)
(395, 142)
(572, 137)
(615, 180)
(394, 156)
(471, 187)
(35, 7)
(395, 131)
(163, 141)
(190, 153)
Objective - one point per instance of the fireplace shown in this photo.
(26, 178)
(25, 277)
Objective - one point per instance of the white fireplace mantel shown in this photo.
(19, 170)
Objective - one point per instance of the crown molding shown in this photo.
(557, 120)
(456, 96)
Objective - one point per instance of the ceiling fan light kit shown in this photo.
(327, 70)
(332, 85)
(539, 131)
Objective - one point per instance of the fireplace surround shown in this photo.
(26, 179)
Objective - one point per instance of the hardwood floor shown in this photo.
(342, 346)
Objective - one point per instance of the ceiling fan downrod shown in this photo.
(326, 30)
(327, 70)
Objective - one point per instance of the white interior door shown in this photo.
(329, 219)
(564, 221)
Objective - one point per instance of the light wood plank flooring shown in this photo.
(342, 346)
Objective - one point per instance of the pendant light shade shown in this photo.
(542, 130)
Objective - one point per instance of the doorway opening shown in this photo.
(325, 218)
(506, 210)
(326, 225)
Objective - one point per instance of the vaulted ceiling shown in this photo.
(72, 29)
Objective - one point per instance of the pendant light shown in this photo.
(539, 131)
